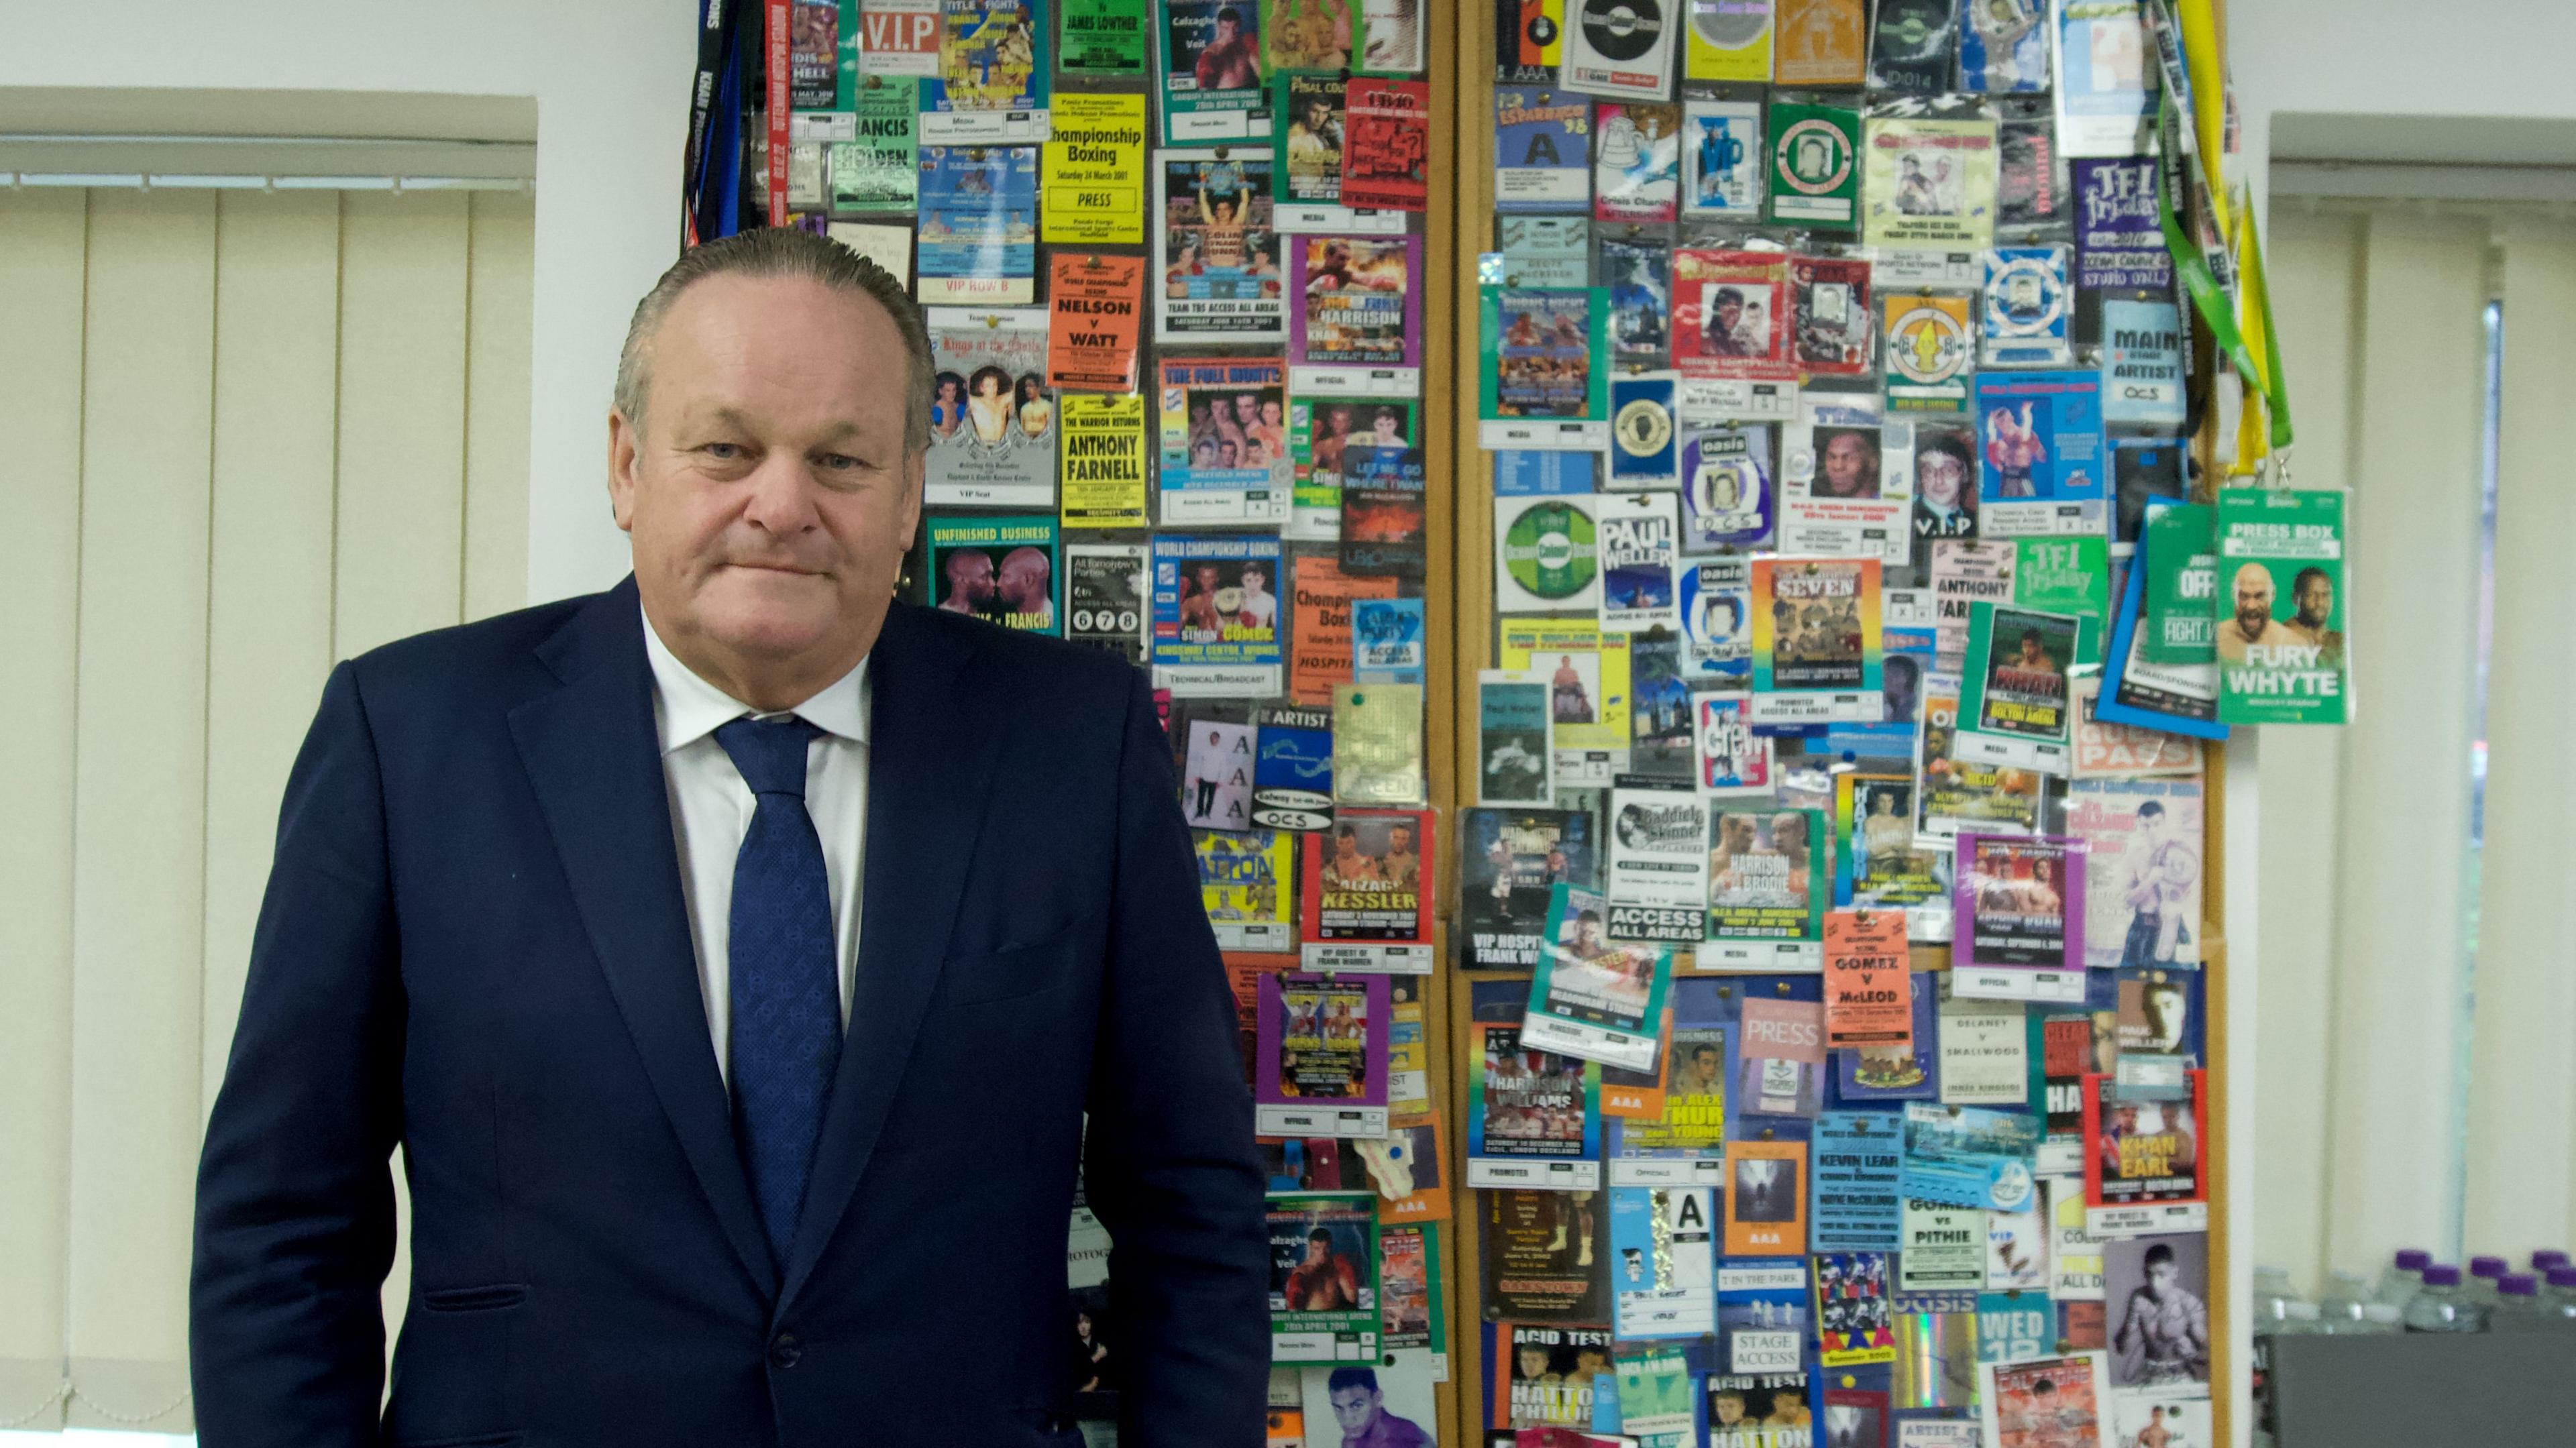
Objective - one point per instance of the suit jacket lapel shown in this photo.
(929, 770)
(596, 761)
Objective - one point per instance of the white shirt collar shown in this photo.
(689, 708)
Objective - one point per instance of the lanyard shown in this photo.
(2210, 276)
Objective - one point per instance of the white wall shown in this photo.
(2399, 59)
(610, 78)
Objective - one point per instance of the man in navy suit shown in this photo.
(734, 956)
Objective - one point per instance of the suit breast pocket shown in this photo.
(989, 977)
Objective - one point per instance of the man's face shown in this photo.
(1533, 1362)
(1939, 476)
(1704, 1061)
(2161, 1279)
(2031, 657)
(1846, 463)
(2164, 1011)
(1247, 408)
(1206, 575)
(2253, 600)
(1729, 1407)
(1316, 1251)
(970, 577)
(1254, 580)
(1355, 1409)
(1728, 314)
(1399, 841)
(1024, 583)
(1385, 426)
(1224, 31)
(769, 495)
(1590, 1361)
(2316, 601)
(2151, 827)
(1587, 934)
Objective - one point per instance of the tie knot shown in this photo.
(770, 753)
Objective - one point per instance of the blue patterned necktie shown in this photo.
(785, 1039)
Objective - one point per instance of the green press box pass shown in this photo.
(2281, 624)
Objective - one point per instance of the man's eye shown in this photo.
(841, 462)
(722, 450)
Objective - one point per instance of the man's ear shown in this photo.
(625, 443)
(916, 470)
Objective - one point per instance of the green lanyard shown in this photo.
(2206, 274)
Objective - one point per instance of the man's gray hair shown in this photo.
(780, 251)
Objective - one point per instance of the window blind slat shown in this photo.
(402, 416)
(503, 261)
(2314, 269)
(269, 614)
(42, 245)
(138, 840)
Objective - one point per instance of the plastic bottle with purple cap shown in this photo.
(2484, 1269)
(2442, 1306)
(2403, 1278)
(2517, 1304)
(2558, 1297)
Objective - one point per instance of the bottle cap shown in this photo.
(2562, 1276)
(2517, 1284)
(2486, 1266)
(2543, 1260)
(2441, 1274)
(2413, 1260)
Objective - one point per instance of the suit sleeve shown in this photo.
(1171, 1169)
(295, 1214)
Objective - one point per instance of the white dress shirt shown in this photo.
(711, 811)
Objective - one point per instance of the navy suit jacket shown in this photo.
(474, 946)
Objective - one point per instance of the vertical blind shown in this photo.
(2521, 1149)
(250, 434)
(2363, 1144)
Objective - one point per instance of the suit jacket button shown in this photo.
(786, 1351)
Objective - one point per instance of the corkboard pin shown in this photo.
(1784, 987)
(1767, 1133)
